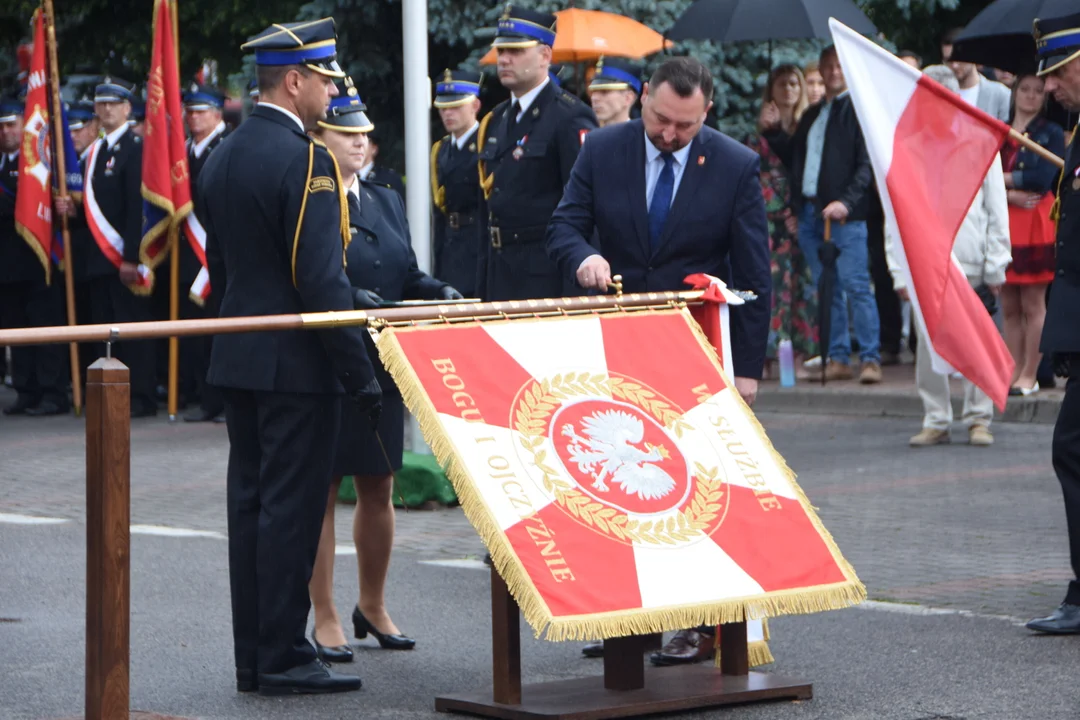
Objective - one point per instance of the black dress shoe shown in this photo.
(47, 407)
(1063, 621)
(361, 628)
(333, 654)
(246, 680)
(20, 407)
(594, 650)
(198, 415)
(314, 678)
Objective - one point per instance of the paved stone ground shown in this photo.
(976, 529)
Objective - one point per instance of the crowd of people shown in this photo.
(546, 195)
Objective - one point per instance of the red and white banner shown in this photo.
(930, 151)
(619, 481)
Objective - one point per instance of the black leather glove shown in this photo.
(1062, 363)
(366, 300)
(368, 400)
(449, 293)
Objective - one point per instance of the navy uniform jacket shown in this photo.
(529, 169)
(1033, 173)
(18, 263)
(118, 190)
(461, 222)
(268, 257)
(189, 262)
(380, 256)
(716, 225)
(1061, 330)
(385, 176)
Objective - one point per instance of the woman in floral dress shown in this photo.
(794, 298)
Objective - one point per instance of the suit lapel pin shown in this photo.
(700, 159)
(472, 147)
(518, 152)
(536, 112)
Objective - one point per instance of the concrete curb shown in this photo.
(1042, 409)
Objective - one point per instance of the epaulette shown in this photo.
(569, 98)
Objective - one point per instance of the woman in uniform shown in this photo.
(382, 267)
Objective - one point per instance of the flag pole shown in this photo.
(174, 266)
(58, 154)
(1036, 148)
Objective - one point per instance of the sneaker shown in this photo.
(928, 437)
(870, 373)
(838, 371)
(980, 436)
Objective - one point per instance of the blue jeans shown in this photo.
(852, 283)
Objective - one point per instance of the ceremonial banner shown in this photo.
(166, 188)
(74, 182)
(33, 199)
(931, 151)
(619, 481)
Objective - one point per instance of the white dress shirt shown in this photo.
(526, 100)
(200, 147)
(654, 164)
(295, 118)
(460, 141)
(114, 137)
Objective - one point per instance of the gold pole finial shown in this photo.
(616, 284)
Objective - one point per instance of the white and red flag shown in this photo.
(931, 151)
(617, 478)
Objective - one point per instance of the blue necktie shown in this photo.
(661, 201)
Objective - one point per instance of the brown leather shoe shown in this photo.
(870, 373)
(686, 647)
(593, 650)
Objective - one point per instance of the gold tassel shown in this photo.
(303, 207)
(487, 182)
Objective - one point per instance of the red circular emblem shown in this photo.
(620, 456)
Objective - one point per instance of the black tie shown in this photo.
(354, 205)
(511, 122)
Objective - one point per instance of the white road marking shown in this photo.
(464, 563)
(925, 610)
(13, 519)
(164, 531)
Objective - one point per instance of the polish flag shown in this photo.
(930, 151)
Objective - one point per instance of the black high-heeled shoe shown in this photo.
(335, 654)
(362, 626)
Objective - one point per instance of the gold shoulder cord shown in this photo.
(343, 204)
(438, 192)
(487, 182)
(1055, 211)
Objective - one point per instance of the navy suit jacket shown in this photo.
(716, 225)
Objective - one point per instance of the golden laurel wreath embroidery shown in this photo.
(531, 418)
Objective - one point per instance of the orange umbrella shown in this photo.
(585, 35)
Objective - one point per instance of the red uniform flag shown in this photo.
(931, 151)
(33, 200)
(166, 189)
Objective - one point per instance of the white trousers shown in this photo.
(937, 399)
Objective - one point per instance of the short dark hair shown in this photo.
(950, 36)
(684, 75)
(269, 77)
(829, 51)
(910, 54)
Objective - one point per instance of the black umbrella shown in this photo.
(746, 20)
(827, 253)
(1000, 36)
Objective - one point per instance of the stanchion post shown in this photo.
(108, 558)
(505, 643)
(734, 657)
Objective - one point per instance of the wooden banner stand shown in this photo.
(628, 690)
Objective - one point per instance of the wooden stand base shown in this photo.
(666, 690)
(627, 689)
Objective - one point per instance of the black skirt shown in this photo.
(358, 451)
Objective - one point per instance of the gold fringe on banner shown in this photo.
(595, 626)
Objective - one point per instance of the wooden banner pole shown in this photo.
(58, 154)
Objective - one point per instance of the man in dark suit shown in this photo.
(112, 204)
(687, 200)
(276, 229)
(202, 110)
(528, 144)
(460, 217)
(27, 297)
(1058, 42)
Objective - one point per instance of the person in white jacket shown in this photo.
(983, 251)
